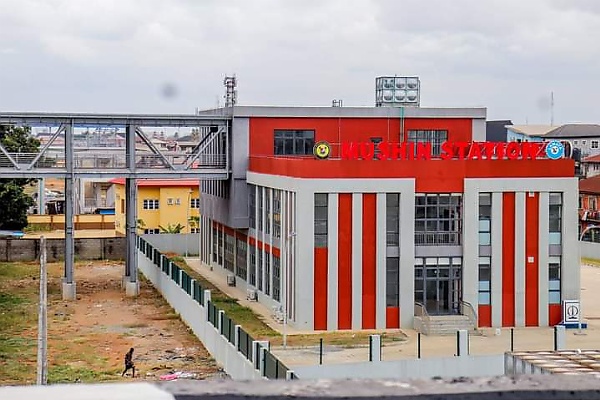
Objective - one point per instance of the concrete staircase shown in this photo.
(440, 325)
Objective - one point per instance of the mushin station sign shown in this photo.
(446, 151)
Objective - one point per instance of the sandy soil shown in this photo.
(103, 324)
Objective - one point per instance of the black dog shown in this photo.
(129, 365)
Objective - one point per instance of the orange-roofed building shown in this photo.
(160, 203)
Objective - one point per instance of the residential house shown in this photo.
(589, 210)
(160, 203)
(590, 166)
(585, 137)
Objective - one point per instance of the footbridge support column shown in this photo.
(132, 284)
(68, 283)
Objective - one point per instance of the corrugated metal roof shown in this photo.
(575, 131)
(592, 159)
(590, 185)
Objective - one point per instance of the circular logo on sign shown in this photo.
(555, 150)
(322, 150)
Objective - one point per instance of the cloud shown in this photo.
(118, 55)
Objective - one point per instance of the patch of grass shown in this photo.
(136, 325)
(591, 261)
(241, 315)
(69, 374)
(38, 228)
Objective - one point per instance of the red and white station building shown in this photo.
(346, 217)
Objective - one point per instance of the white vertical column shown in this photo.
(332, 261)
(470, 265)
(544, 228)
(380, 262)
(292, 266)
(407, 257)
(496, 289)
(262, 216)
(520, 258)
(570, 269)
(357, 214)
(304, 256)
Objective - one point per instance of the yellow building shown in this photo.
(162, 205)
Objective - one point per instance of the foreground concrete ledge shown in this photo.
(521, 387)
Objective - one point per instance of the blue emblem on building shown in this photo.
(555, 150)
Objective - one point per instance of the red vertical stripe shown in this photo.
(392, 317)
(369, 223)
(554, 314)
(484, 316)
(345, 261)
(320, 279)
(508, 259)
(532, 206)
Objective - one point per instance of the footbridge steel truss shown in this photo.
(209, 159)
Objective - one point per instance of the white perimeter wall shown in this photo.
(424, 368)
(590, 250)
(175, 242)
(196, 317)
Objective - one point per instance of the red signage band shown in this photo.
(448, 150)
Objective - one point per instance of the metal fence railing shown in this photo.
(272, 367)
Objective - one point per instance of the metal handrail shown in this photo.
(468, 310)
(421, 311)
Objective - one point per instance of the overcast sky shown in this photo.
(159, 56)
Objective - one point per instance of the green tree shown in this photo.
(14, 202)
(171, 228)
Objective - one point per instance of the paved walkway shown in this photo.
(491, 341)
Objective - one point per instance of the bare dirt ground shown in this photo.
(88, 338)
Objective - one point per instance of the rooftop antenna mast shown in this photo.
(230, 83)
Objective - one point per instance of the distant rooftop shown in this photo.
(575, 131)
(160, 182)
(590, 185)
(532, 130)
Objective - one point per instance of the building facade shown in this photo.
(391, 211)
(161, 203)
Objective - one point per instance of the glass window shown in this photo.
(268, 219)
(392, 293)
(150, 204)
(267, 273)
(276, 213)
(435, 137)
(555, 218)
(276, 278)
(252, 250)
(293, 142)
(392, 219)
(259, 272)
(252, 206)
(229, 252)
(438, 219)
(554, 279)
(485, 277)
(195, 202)
(260, 208)
(240, 257)
(321, 218)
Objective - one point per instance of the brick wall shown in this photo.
(85, 249)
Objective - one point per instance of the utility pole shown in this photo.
(42, 353)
